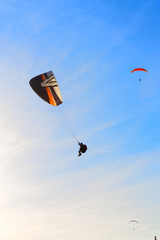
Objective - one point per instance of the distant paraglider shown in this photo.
(139, 69)
(133, 224)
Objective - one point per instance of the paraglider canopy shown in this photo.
(134, 221)
(139, 69)
(46, 87)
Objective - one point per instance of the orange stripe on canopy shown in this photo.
(139, 69)
(51, 99)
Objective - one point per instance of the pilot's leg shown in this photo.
(79, 153)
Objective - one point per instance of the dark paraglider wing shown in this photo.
(139, 69)
(46, 87)
(134, 221)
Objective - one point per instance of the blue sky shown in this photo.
(47, 192)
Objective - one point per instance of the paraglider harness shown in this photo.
(83, 148)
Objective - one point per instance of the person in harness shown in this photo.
(83, 148)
